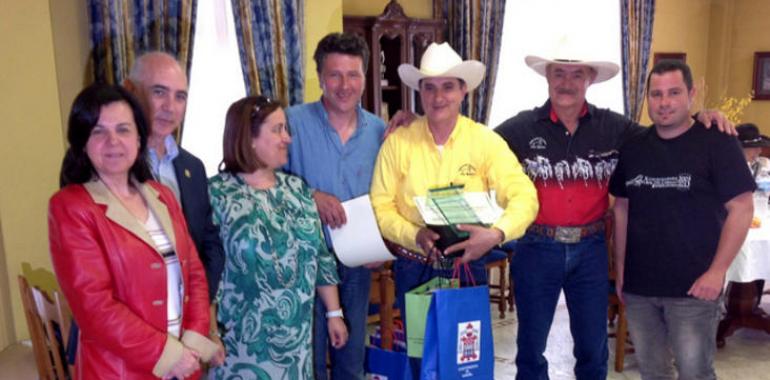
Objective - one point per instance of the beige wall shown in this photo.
(750, 33)
(682, 26)
(720, 38)
(321, 18)
(412, 8)
(31, 146)
(69, 23)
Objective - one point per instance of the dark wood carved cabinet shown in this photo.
(393, 39)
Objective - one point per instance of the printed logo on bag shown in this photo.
(468, 342)
(374, 376)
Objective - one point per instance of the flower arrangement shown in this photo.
(733, 107)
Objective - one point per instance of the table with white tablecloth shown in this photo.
(745, 281)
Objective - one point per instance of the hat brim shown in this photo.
(762, 142)
(604, 70)
(471, 72)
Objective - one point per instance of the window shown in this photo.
(216, 81)
(531, 27)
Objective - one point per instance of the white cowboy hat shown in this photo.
(442, 61)
(568, 52)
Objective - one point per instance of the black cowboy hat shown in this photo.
(748, 135)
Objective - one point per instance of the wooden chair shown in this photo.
(616, 311)
(498, 260)
(47, 320)
(65, 316)
(622, 342)
(383, 294)
(511, 295)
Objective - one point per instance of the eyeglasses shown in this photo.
(260, 102)
(278, 128)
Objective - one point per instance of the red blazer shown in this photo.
(115, 282)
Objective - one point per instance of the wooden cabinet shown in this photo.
(393, 39)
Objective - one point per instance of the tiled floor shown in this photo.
(17, 363)
(745, 357)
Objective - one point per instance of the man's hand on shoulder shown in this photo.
(707, 117)
(329, 209)
(400, 119)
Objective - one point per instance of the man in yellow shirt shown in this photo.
(441, 149)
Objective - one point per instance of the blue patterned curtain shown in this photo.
(474, 30)
(122, 29)
(270, 43)
(636, 23)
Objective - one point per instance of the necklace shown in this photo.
(270, 205)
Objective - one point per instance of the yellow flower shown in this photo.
(733, 107)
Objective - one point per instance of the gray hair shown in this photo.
(142, 61)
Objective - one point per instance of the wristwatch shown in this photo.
(334, 313)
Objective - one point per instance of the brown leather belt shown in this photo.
(400, 251)
(567, 234)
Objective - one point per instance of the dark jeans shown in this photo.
(543, 267)
(348, 361)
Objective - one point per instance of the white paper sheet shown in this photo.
(359, 241)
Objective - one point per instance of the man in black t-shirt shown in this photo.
(682, 210)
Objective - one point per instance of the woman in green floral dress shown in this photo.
(276, 256)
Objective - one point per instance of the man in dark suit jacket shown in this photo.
(160, 85)
(193, 189)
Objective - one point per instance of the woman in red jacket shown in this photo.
(122, 253)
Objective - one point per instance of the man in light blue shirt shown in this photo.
(334, 147)
(162, 166)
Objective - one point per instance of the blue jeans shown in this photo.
(543, 267)
(348, 361)
(670, 332)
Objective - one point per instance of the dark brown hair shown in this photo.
(669, 65)
(84, 114)
(242, 124)
(341, 43)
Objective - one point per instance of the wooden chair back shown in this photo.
(616, 310)
(47, 321)
(498, 290)
(65, 316)
(383, 293)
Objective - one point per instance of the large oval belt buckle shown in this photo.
(567, 234)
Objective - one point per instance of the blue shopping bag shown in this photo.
(399, 338)
(458, 336)
(387, 365)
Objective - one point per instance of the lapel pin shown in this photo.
(187, 173)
